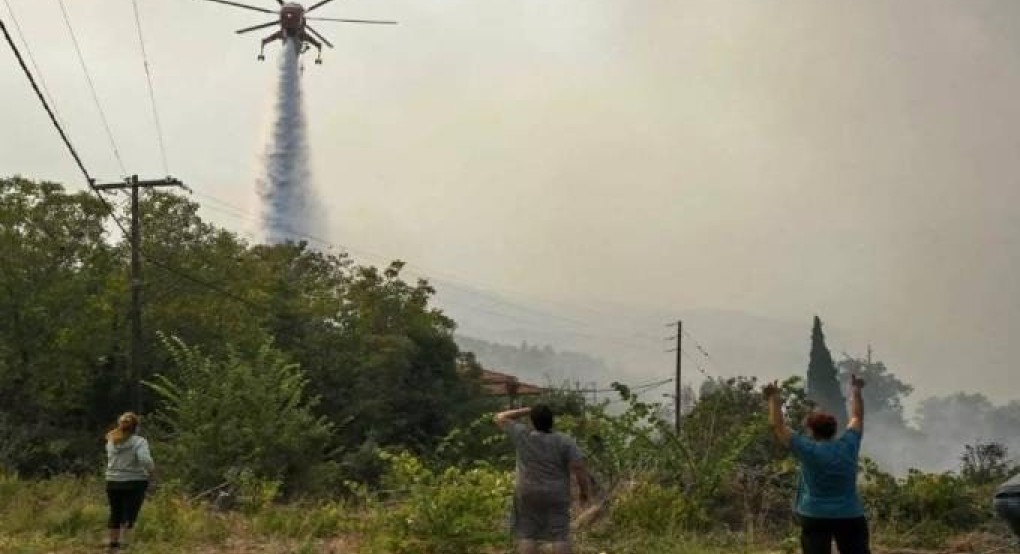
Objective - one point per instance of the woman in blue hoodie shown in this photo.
(129, 467)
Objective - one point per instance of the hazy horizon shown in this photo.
(846, 159)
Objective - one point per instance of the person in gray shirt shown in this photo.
(545, 460)
(129, 467)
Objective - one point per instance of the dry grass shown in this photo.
(66, 516)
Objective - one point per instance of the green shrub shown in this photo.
(922, 508)
(647, 508)
(244, 422)
(456, 511)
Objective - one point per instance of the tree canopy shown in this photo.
(371, 345)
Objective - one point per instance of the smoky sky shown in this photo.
(852, 159)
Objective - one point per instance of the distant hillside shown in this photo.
(538, 365)
(607, 342)
(627, 343)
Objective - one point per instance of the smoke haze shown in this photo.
(286, 188)
(582, 173)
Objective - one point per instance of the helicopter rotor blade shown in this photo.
(317, 5)
(256, 27)
(318, 36)
(245, 6)
(376, 21)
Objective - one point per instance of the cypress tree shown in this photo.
(822, 382)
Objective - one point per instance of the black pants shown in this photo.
(126, 499)
(817, 534)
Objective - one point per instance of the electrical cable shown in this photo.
(91, 182)
(31, 58)
(46, 105)
(92, 87)
(425, 273)
(152, 92)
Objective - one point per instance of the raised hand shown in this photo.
(856, 382)
(771, 389)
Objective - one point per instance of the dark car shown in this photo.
(1007, 503)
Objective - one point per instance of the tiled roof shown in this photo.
(501, 384)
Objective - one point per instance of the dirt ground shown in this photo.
(971, 543)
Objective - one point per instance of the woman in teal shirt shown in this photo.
(828, 505)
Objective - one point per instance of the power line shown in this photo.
(49, 110)
(639, 388)
(93, 187)
(478, 308)
(239, 212)
(56, 122)
(447, 279)
(199, 281)
(636, 389)
(92, 87)
(48, 104)
(696, 364)
(456, 283)
(161, 264)
(152, 93)
(85, 172)
(702, 350)
(697, 345)
(31, 58)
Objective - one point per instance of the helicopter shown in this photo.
(293, 22)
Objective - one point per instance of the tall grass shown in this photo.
(69, 515)
(459, 513)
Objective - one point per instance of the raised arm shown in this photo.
(779, 427)
(856, 404)
(503, 419)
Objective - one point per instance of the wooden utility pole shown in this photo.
(677, 406)
(679, 334)
(136, 276)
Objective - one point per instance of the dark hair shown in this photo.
(542, 418)
(822, 425)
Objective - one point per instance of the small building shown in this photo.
(499, 384)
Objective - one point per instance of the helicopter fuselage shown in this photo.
(293, 25)
(292, 19)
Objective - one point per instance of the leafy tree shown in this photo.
(227, 420)
(1004, 422)
(985, 463)
(60, 369)
(957, 417)
(396, 368)
(822, 384)
(884, 394)
(370, 344)
(203, 284)
(746, 477)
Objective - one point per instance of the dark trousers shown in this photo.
(125, 499)
(817, 534)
